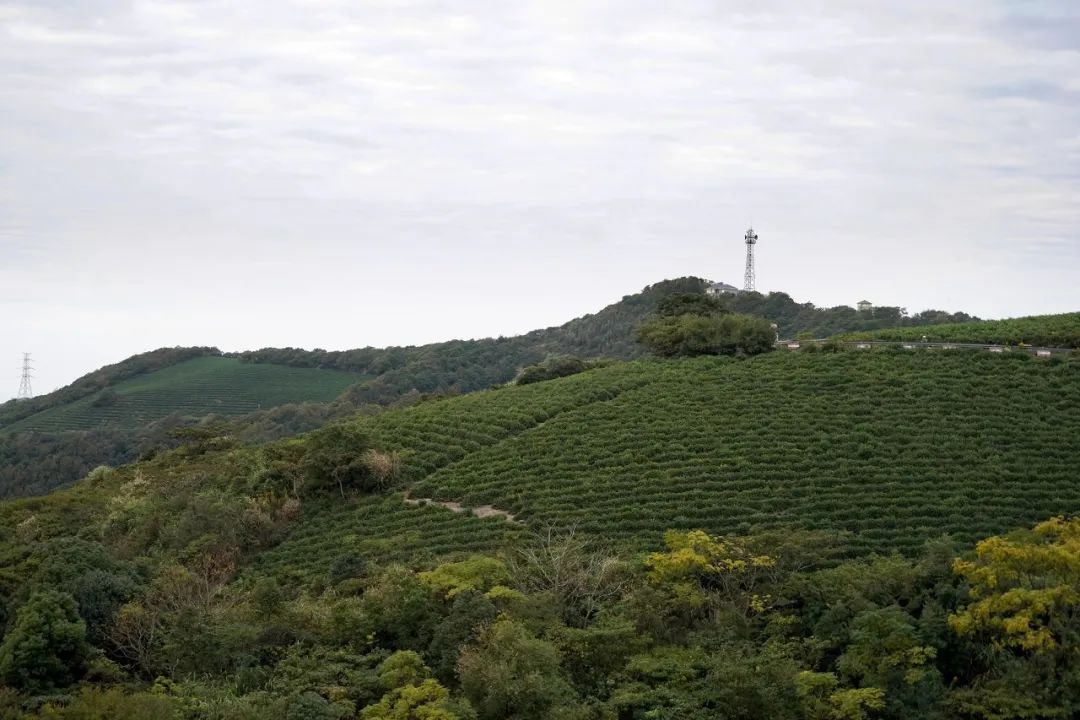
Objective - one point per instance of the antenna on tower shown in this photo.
(25, 390)
(749, 280)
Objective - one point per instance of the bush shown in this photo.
(552, 368)
(689, 335)
(46, 649)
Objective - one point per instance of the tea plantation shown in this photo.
(886, 449)
(210, 384)
(1045, 330)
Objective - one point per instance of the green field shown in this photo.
(1042, 330)
(194, 388)
(889, 449)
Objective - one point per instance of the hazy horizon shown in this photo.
(246, 175)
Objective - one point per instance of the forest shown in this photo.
(145, 592)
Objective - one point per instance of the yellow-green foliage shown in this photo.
(479, 572)
(1023, 587)
(697, 567)
(821, 700)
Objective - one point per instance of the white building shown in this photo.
(718, 288)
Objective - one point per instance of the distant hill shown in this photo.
(1045, 330)
(121, 411)
(194, 387)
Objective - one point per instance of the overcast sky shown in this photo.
(247, 173)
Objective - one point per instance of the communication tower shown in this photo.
(748, 278)
(25, 390)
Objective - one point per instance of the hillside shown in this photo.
(193, 387)
(1043, 330)
(314, 572)
(887, 448)
(119, 412)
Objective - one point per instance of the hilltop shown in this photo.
(122, 411)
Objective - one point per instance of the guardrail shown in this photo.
(913, 345)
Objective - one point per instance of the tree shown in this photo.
(1025, 601)
(411, 693)
(690, 334)
(886, 652)
(1025, 590)
(340, 455)
(690, 304)
(566, 567)
(700, 572)
(46, 648)
(510, 673)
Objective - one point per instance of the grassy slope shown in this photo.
(193, 387)
(887, 449)
(1046, 330)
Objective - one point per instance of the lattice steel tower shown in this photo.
(25, 390)
(748, 278)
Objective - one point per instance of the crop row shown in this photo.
(1046, 330)
(385, 529)
(890, 450)
(195, 387)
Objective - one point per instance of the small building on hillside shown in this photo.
(719, 288)
(864, 306)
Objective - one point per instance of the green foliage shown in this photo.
(883, 449)
(337, 456)
(690, 334)
(1045, 330)
(194, 387)
(427, 700)
(698, 570)
(690, 304)
(106, 377)
(478, 573)
(111, 704)
(46, 648)
(509, 672)
(312, 706)
(555, 367)
(795, 319)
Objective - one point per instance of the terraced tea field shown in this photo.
(194, 387)
(885, 448)
(1047, 330)
(387, 529)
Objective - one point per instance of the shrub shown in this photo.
(46, 649)
(689, 335)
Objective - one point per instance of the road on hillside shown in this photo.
(912, 345)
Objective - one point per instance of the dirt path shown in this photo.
(480, 511)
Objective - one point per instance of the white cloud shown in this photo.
(388, 162)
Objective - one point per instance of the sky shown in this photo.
(335, 174)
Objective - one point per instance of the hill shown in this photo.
(193, 387)
(122, 411)
(889, 449)
(636, 538)
(1043, 330)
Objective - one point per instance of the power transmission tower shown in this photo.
(749, 280)
(25, 390)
